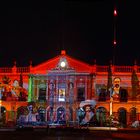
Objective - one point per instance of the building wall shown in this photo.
(90, 77)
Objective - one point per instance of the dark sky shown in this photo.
(39, 31)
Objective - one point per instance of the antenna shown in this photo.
(114, 38)
(63, 48)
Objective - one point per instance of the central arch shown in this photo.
(122, 116)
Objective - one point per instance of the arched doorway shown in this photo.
(101, 116)
(21, 115)
(61, 115)
(50, 114)
(122, 116)
(42, 114)
(133, 114)
(2, 116)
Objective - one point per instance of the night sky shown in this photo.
(39, 31)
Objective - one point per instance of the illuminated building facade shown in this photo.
(51, 92)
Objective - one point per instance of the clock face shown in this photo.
(63, 64)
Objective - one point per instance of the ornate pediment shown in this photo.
(63, 64)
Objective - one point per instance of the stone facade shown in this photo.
(55, 89)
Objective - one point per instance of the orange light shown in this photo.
(115, 12)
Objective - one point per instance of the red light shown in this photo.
(115, 42)
(115, 12)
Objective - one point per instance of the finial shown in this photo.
(110, 62)
(30, 62)
(135, 62)
(115, 12)
(63, 52)
(15, 63)
(94, 61)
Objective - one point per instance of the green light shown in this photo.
(30, 90)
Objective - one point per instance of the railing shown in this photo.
(116, 69)
(123, 68)
(23, 69)
(5, 70)
(102, 68)
(16, 69)
(126, 69)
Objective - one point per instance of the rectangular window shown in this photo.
(61, 94)
(81, 93)
(42, 94)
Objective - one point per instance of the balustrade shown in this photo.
(23, 69)
(5, 70)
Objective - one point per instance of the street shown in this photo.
(65, 134)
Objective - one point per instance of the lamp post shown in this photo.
(111, 101)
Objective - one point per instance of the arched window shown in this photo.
(101, 116)
(80, 93)
(122, 116)
(41, 112)
(123, 95)
(102, 95)
(21, 114)
(133, 116)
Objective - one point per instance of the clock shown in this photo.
(63, 64)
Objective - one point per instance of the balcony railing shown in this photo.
(95, 68)
(123, 68)
(23, 69)
(126, 69)
(102, 68)
(5, 70)
(15, 69)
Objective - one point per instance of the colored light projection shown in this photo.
(116, 88)
(30, 90)
(32, 114)
(85, 113)
(11, 90)
(61, 94)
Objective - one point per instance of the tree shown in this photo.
(134, 83)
